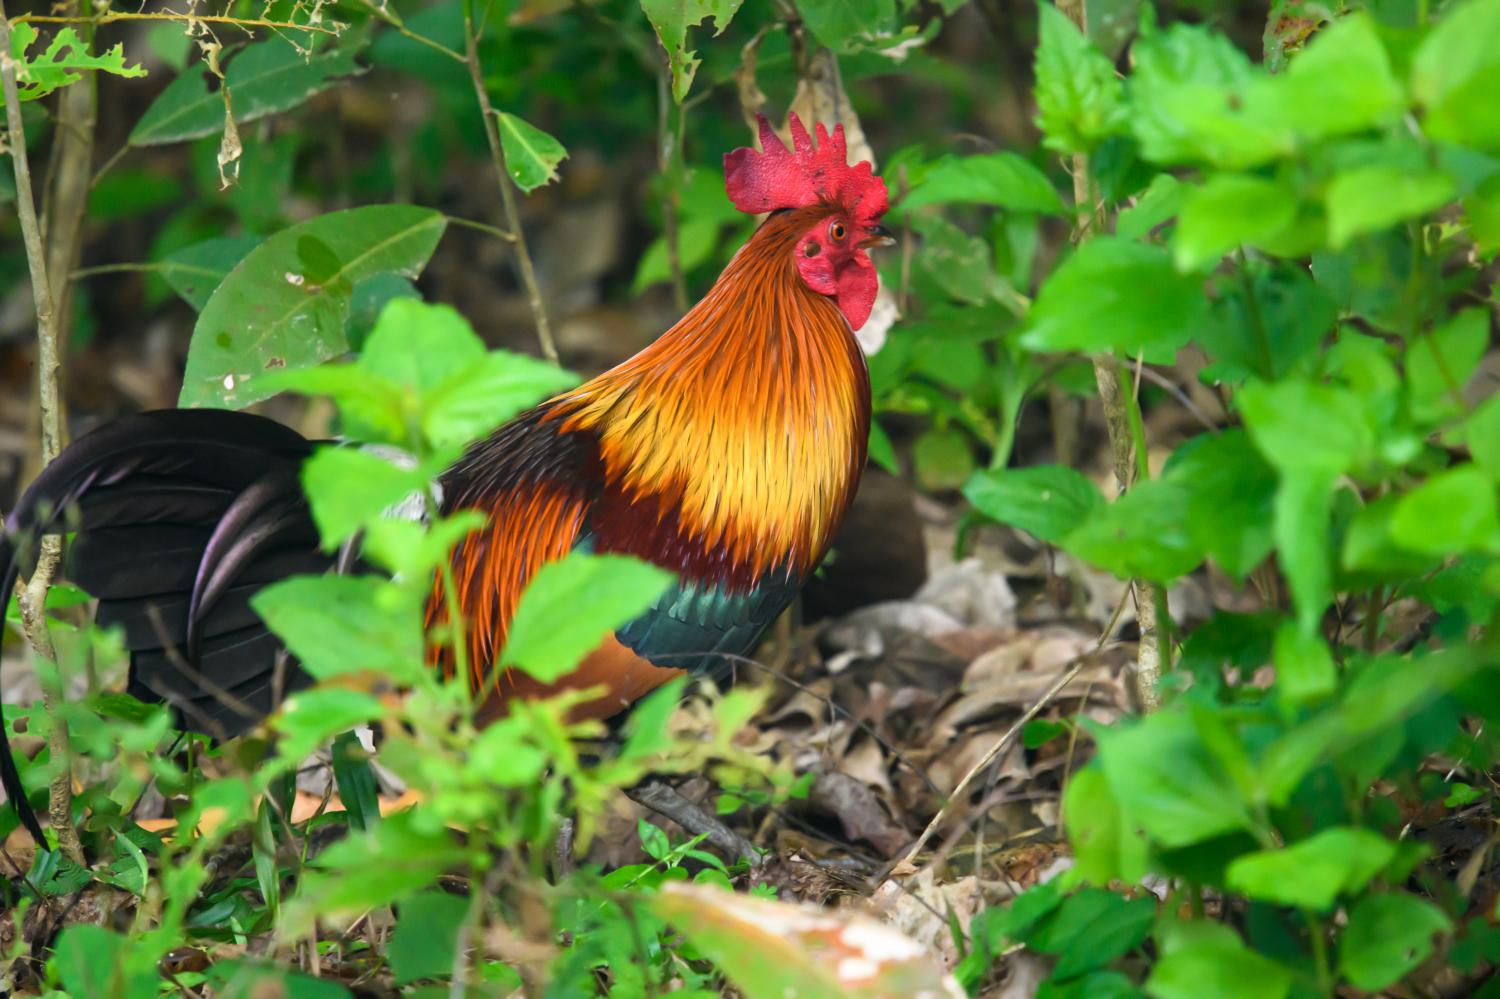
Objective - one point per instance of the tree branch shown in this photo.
(33, 597)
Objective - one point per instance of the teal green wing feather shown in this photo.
(700, 627)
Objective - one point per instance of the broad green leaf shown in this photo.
(309, 718)
(1079, 98)
(348, 487)
(1304, 510)
(1048, 501)
(1278, 417)
(355, 780)
(942, 459)
(1370, 198)
(1304, 665)
(1229, 211)
(1341, 83)
(373, 409)
(1004, 180)
(531, 155)
(424, 943)
(772, 950)
(63, 62)
(1387, 937)
(263, 78)
(480, 397)
(1112, 294)
(195, 271)
(882, 451)
(1168, 783)
(1091, 929)
(1143, 534)
(1289, 318)
(1230, 498)
(571, 605)
(1452, 512)
(248, 978)
(418, 345)
(1313, 873)
(1106, 847)
(503, 755)
(960, 264)
(396, 858)
(1369, 548)
(842, 25)
(1482, 433)
(1095, 985)
(285, 305)
(93, 961)
(1482, 209)
(1159, 202)
(671, 20)
(1214, 962)
(346, 624)
(1456, 74)
(1440, 364)
(1188, 102)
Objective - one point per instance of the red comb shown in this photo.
(783, 178)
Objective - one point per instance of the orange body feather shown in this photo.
(728, 450)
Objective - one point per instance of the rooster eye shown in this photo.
(837, 231)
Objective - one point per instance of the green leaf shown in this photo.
(246, 978)
(355, 780)
(1304, 511)
(1230, 498)
(1440, 364)
(1093, 928)
(531, 155)
(61, 64)
(285, 305)
(1143, 534)
(843, 24)
(263, 78)
(475, 400)
(960, 264)
(396, 858)
(1112, 294)
(882, 451)
(671, 19)
(1482, 432)
(348, 488)
(1160, 201)
(1387, 937)
(1079, 99)
(418, 345)
(1106, 846)
(1229, 211)
(1370, 198)
(1213, 962)
(1482, 208)
(1004, 180)
(1269, 337)
(942, 459)
(1048, 501)
(1168, 783)
(1278, 415)
(374, 410)
(1188, 102)
(1313, 873)
(346, 624)
(195, 271)
(310, 718)
(696, 239)
(1452, 512)
(571, 605)
(1304, 665)
(424, 943)
(1456, 74)
(1097, 985)
(92, 961)
(1341, 83)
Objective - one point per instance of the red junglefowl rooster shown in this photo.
(728, 451)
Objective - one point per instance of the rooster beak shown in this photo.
(879, 236)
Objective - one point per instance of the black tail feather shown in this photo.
(181, 516)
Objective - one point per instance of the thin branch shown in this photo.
(33, 598)
(240, 22)
(495, 231)
(395, 22)
(667, 155)
(507, 188)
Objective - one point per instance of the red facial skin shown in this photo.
(832, 260)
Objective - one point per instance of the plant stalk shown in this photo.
(507, 189)
(33, 596)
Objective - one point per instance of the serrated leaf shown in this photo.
(285, 305)
(1228, 211)
(1004, 180)
(671, 20)
(346, 624)
(475, 400)
(1079, 99)
(531, 155)
(62, 63)
(571, 605)
(1456, 74)
(263, 78)
(1370, 198)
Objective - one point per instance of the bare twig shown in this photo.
(68, 194)
(110, 17)
(33, 597)
(665, 800)
(1150, 599)
(507, 187)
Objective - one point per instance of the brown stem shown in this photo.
(33, 597)
(507, 189)
(1150, 599)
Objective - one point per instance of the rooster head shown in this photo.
(831, 255)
